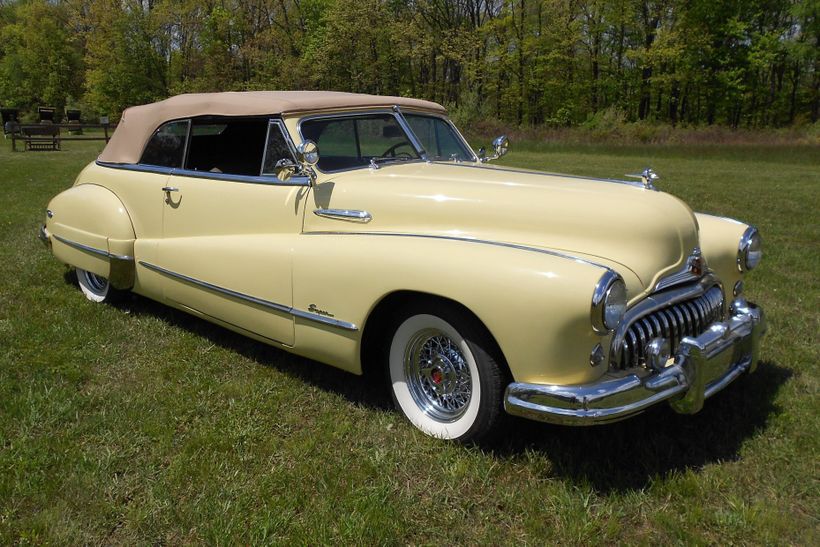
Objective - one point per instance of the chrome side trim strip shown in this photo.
(92, 250)
(541, 173)
(156, 169)
(468, 240)
(350, 215)
(254, 300)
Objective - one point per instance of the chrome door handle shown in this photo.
(351, 215)
(169, 189)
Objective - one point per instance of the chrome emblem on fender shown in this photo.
(313, 309)
(696, 263)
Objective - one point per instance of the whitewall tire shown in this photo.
(96, 288)
(442, 376)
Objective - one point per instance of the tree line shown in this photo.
(742, 63)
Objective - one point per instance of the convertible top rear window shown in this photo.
(166, 148)
(353, 141)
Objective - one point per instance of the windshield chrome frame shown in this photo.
(396, 112)
(459, 136)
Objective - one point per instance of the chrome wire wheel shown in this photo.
(437, 375)
(95, 287)
(442, 376)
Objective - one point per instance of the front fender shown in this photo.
(536, 305)
(719, 240)
(90, 229)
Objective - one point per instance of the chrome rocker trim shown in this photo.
(703, 366)
(253, 300)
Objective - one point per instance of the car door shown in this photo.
(229, 230)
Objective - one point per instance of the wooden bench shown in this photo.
(41, 137)
(47, 136)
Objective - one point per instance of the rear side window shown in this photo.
(232, 146)
(166, 148)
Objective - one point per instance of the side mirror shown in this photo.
(500, 146)
(284, 169)
(307, 153)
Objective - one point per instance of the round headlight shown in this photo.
(749, 250)
(608, 303)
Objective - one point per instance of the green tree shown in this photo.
(40, 60)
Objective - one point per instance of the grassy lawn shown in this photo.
(138, 423)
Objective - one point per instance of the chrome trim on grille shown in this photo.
(655, 302)
(692, 270)
(252, 299)
(350, 215)
(466, 240)
(679, 278)
(689, 317)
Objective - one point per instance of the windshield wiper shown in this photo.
(376, 160)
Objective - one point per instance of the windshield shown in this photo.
(354, 141)
(439, 138)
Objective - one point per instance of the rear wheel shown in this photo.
(443, 375)
(95, 287)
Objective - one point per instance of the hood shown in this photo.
(640, 233)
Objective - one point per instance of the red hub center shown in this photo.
(437, 376)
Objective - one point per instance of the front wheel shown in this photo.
(95, 287)
(443, 375)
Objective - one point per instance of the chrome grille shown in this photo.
(688, 318)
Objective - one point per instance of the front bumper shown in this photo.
(703, 366)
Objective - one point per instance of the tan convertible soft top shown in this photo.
(138, 123)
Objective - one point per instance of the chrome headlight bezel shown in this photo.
(608, 303)
(749, 250)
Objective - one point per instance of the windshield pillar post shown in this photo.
(413, 139)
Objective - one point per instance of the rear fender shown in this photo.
(90, 229)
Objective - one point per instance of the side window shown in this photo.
(277, 148)
(166, 147)
(227, 145)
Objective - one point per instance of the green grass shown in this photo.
(138, 423)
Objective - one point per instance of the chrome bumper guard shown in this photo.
(703, 366)
(42, 234)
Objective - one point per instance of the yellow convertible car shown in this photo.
(364, 232)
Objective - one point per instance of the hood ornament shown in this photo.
(648, 178)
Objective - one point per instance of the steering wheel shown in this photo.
(392, 151)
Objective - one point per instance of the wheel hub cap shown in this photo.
(438, 375)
